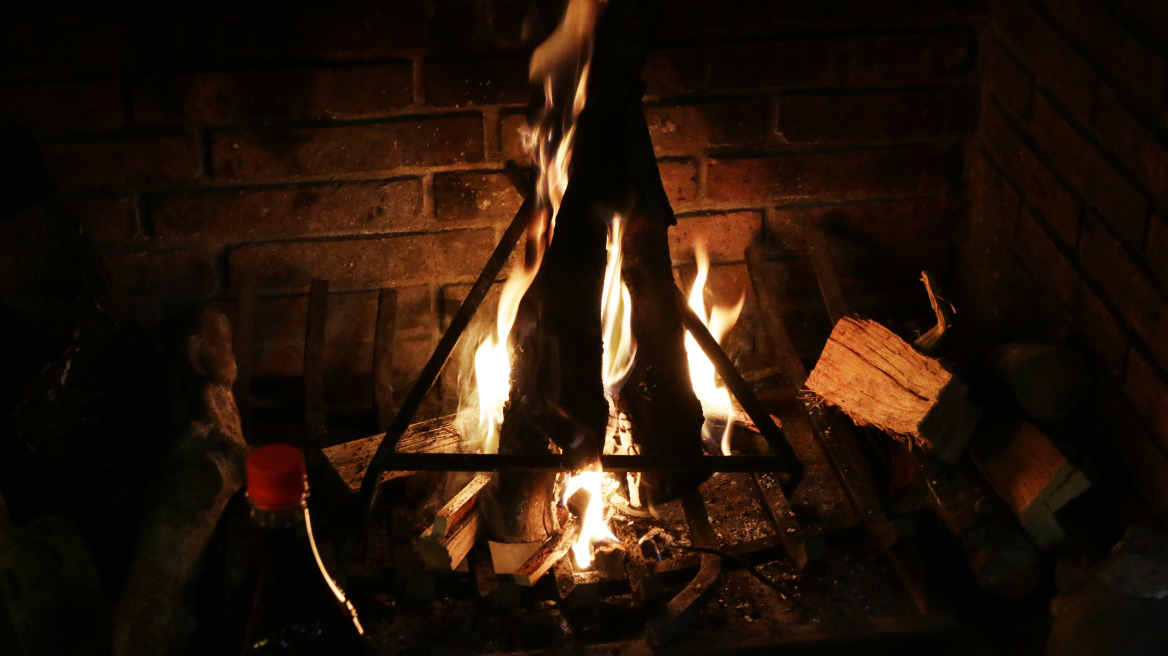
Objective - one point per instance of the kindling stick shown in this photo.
(458, 324)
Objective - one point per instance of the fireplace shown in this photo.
(333, 180)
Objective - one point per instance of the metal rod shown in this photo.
(754, 408)
(482, 462)
(458, 324)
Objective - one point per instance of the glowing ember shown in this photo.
(714, 397)
(594, 525)
(620, 350)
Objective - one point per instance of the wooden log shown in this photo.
(1048, 382)
(449, 550)
(459, 506)
(1031, 475)
(546, 556)
(878, 379)
(351, 459)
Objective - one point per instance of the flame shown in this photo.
(593, 526)
(616, 311)
(715, 398)
(560, 65)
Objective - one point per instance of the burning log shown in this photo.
(877, 379)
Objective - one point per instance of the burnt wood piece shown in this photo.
(778, 511)
(314, 339)
(458, 507)
(458, 324)
(351, 459)
(547, 555)
(383, 357)
(202, 470)
(847, 462)
(666, 626)
(447, 551)
(754, 408)
(878, 379)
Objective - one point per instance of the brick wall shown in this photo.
(363, 143)
(1069, 186)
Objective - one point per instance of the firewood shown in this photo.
(449, 550)
(547, 555)
(877, 379)
(1031, 475)
(1048, 381)
(508, 557)
(458, 507)
(351, 459)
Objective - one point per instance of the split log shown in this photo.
(351, 459)
(458, 507)
(877, 379)
(1048, 381)
(547, 555)
(447, 551)
(1031, 475)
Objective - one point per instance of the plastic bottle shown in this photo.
(298, 608)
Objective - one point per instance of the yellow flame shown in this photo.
(594, 525)
(714, 397)
(616, 311)
(560, 64)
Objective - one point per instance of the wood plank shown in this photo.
(351, 459)
(459, 506)
(449, 551)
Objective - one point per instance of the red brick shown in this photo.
(348, 148)
(880, 223)
(65, 106)
(1045, 261)
(342, 207)
(1127, 286)
(125, 161)
(834, 175)
(852, 12)
(1127, 137)
(510, 141)
(694, 127)
(845, 116)
(1157, 250)
(186, 273)
(1148, 393)
(478, 81)
(1054, 62)
(366, 263)
(859, 61)
(680, 179)
(336, 31)
(1008, 79)
(105, 219)
(264, 95)
(1141, 71)
(673, 71)
(993, 196)
(1028, 171)
(1101, 330)
(1102, 185)
(1151, 15)
(475, 196)
(726, 235)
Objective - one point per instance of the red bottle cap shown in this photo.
(275, 476)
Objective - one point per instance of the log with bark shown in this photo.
(1047, 381)
(877, 379)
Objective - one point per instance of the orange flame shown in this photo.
(594, 525)
(616, 311)
(715, 398)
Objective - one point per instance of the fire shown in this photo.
(715, 398)
(620, 350)
(594, 525)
